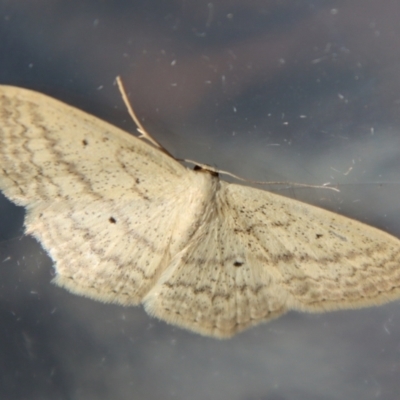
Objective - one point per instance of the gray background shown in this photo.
(273, 90)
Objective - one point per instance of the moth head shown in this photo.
(207, 169)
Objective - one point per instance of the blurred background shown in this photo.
(301, 91)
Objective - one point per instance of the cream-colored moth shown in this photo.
(125, 222)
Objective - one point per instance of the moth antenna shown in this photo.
(220, 171)
(140, 128)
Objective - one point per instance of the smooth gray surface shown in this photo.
(293, 91)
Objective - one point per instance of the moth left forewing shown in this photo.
(98, 199)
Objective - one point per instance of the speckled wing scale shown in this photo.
(126, 223)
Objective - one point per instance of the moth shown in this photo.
(125, 222)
